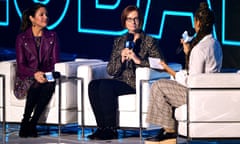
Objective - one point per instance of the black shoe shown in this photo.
(23, 133)
(95, 134)
(24, 129)
(162, 136)
(32, 130)
(108, 134)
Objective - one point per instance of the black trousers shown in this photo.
(103, 96)
(38, 98)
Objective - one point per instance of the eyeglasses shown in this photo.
(136, 19)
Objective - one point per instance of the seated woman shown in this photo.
(37, 50)
(203, 55)
(129, 52)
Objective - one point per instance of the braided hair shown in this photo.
(207, 19)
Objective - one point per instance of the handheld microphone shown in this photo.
(51, 76)
(129, 42)
(187, 37)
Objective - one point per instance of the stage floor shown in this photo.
(72, 134)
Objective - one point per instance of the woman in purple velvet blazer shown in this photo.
(37, 51)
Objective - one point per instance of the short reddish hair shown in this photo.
(129, 9)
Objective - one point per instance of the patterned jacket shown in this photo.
(145, 47)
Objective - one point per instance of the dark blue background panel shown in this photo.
(87, 28)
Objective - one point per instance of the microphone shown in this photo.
(129, 44)
(51, 76)
(187, 37)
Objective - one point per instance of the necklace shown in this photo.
(38, 42)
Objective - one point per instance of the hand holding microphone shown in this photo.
(128, 47)
(39, 77)
(43, 77)
(128, 53)
(185, 46)
(187, 37)
(125, 54)
(51, 76)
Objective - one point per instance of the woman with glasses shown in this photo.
(129, 52)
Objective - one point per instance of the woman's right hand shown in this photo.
(128, 54)
(39, 77)
(186, 47)
(124, 55)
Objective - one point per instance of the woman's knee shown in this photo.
(93, 89)
(93, 84)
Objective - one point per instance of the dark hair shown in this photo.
(129, 9)
(207, 19)
(26, 23)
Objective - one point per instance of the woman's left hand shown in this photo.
(168, 69)
(164, 65)
(132, 56)
(39, 77)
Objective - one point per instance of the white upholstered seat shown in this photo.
(15, 107)
(129, 105)
(212, 107)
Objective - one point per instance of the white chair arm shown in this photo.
(69, 68)
(93, 71)
(217, 80)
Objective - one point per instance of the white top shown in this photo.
(205, 57)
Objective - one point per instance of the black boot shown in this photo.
(108, 134)
(24, 129)
(32, 130)
(96, 134)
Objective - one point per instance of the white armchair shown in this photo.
(14, 107)
(212, 107)
(129, 105)
(87, 73)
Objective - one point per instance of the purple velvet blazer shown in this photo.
(28, 59)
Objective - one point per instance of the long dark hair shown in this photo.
(207, 19)
(26, 23)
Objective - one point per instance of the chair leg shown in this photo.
(124, 133)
